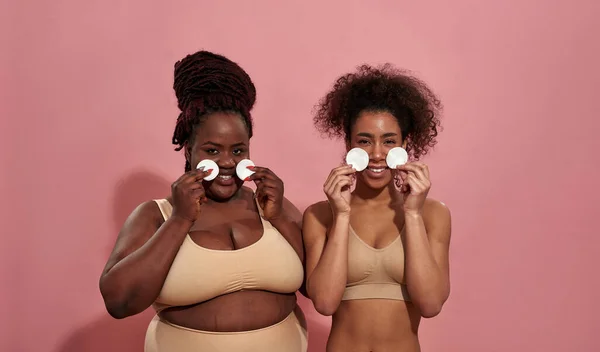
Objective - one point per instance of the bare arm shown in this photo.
(427, 241)
(140, 261)
(326, 241)
(145, 249)
(290, 227)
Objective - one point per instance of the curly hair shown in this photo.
(205, 83)
(385, 88)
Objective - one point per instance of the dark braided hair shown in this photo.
(205, 83)
(376, 89)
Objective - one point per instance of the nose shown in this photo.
(226, 161)
(378, 152)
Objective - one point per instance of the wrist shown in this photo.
(279, 218)
(341, 216)
(181, 221)
(413, 214)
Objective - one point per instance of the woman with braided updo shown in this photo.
(219, 262)
(377, 255)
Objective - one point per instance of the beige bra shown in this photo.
(375, 273)
(199, 274)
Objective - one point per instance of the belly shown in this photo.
(375, 325)
(237, 311)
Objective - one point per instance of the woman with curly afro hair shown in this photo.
(377, 248)
(219, 262)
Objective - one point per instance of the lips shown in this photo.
(225, 180)
(376, 171)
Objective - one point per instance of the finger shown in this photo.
(342, 170)
(423, 168)
(347, 182)
(184, 177)
(198, 193)
(270, 193)
(203, 174)
(271, 184)
(415, 184)
(260, 193)
(263, 175)
(333, 187)
(264, 171)
(414, 169)
(195, 175)
(194, 186)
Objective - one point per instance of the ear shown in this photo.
(404, 143)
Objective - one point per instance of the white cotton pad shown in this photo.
(396, 157)
(358, 158)
(242, 170)
(208, 164)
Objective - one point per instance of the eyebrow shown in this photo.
(369, 135)
(238, 144)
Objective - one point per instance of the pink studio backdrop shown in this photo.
(88, 112)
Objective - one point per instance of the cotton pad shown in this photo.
(358, 158)
(242, 170)
(208, 164)
(396, 157)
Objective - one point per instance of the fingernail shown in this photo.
(247, 179)
(209, 171)
(201, 168)
(250, 167)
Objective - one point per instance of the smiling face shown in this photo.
(376, 133)
(223, 138)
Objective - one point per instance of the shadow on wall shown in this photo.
(105, 333)
(127, 335)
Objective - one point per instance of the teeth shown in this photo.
(224, 177)
(376, 170)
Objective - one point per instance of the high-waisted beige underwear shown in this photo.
(285, 336)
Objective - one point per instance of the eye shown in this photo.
(390, 141)
(211, 151)
(363, 141)
(238, 151)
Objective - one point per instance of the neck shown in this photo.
(386, 195)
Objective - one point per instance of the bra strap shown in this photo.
(165, 208)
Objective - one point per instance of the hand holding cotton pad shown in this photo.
(358, 158)
(208, 164)
(396, 157)
(242, 170)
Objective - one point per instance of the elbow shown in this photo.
(117, 305)
(325, 305)
(325, 308)
(324, 301)
(117, 311)
(431, 307)
(430, 310)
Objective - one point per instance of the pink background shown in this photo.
(88, 113)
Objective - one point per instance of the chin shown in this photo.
(219, 192)
(376, 183)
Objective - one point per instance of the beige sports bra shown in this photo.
(375, 273)
(199, 274)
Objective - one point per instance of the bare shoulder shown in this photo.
(141, 224)
(436, 207)
(437, 218)
(319, 214)
(146, 212)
